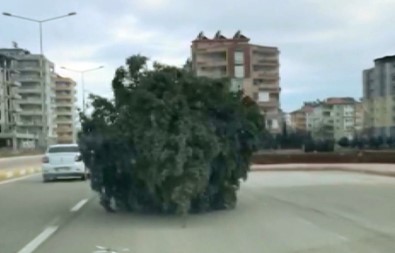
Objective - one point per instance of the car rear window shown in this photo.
(70, 149)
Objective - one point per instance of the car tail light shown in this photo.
(78, 158)
(45, 159)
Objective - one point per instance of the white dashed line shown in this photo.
(36, 242)
(16, 179)
(339, 236)
(78, 206)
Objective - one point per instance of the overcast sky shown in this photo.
(324, 44)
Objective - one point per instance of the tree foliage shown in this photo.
(344, 142)
(169, 142)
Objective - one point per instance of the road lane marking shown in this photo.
(16, 179)
(22, 172)
(36, 242)
(338, 235)
(78, 206)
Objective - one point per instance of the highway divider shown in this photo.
(14, 173)
(370, 168)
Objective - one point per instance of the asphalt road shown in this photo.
(28, 206)
(285, 212)
(20, 162)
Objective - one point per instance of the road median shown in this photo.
(375, 169)
(15, 173)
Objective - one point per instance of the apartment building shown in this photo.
(65, 109)
(37, 92)
(379, 97)
(299, 118)
(254, 69)
(334, 118)
(359, 118)
(319, 121)
(344, 117)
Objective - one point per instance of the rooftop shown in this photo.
(238, 36)
(388, 58)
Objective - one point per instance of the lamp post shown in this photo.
(82, 72)
(42, 73)
(40, 23)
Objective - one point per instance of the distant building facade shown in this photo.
(251, 68)
(66, 110)
(334, 118)
(37, 96)
(299, 118)
(379, 98)
(11, 134)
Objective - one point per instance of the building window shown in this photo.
(239, 71)
(263, 96)
(236, 84)
(275, 124)
(239, 57)
(258, 81)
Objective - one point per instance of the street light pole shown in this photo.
(82, 72)
(83, 91)
(41, 38)
(40, 22)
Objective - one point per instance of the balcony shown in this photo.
(64, 121)
(31, 123)
(222, 49)
(29, 91)
(30, 79)
(15, 96)
(66, 112)
(266, 76)
(210, 74)
(268, 104)
(63, 88)
(64, 96)
(65, 104)
(15, 109)
(212, 63)
(266, 62)
(31, 101)
(31, 112)
(269, 87)
(14, 83)
(64, 129)
(65, 139)
(30, 68)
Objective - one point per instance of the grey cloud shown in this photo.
(324, 45)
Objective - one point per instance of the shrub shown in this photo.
(344, 142)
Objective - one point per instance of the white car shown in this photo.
(63, 160)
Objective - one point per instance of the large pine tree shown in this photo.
(169, 141)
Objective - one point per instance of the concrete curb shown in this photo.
(14, 173)
(374, 169)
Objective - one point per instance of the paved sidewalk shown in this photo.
(369, 168)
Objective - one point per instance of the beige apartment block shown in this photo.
(335, 118)
(65, 90)
(254, 69)
(299, 118)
